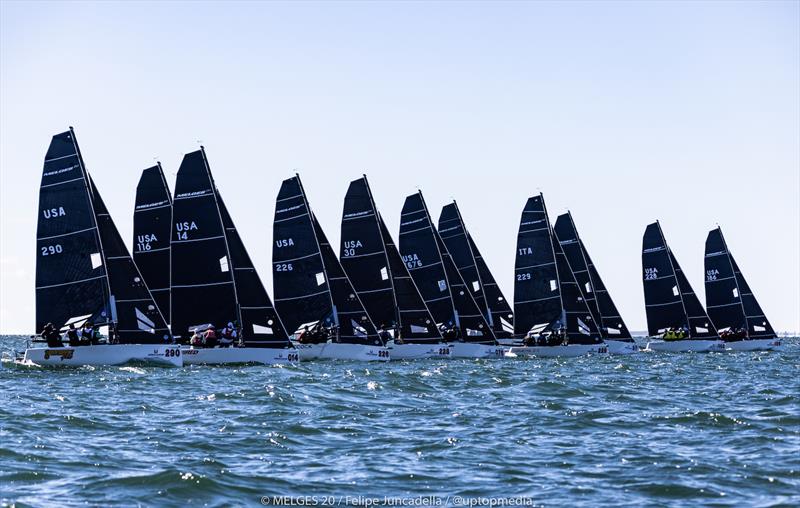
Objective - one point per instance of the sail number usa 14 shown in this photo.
(183, 229)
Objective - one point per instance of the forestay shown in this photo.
(729, 299)
(152, 217)
(83, 269)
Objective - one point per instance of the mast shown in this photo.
(385, 255)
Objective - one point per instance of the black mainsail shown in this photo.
(669, 299)
(83, 269)
(203, 289)
(152, 219)
(474, 271)
(311, 286)
(546, 295)
(377, 271)
(729, 299)
(437, 277)
(593, 291)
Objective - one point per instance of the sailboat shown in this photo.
(613, 330)
(730, 302)
(550, 315)
(152, 219)
(312, 291)
(213, 281)
(676, 320)
(463, 325)
(476, 274)
(85, 274)
(379, 275)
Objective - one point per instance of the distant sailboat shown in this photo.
(213, 280)
(550, 315)
(593, 291)
(460, 318)
(675, 317)
(378, 273)
(476, 274)
(730, 302)
(84, 272)
(312, 292)
(152, 223)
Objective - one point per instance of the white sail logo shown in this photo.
(284, 242)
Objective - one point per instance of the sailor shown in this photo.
(86, 334)
(51, 335)
(96, 337)
(384, 334)
(670, 334)
(228, 335)
(210, 337)
(72, 335)
(681, 333)
(196, 340)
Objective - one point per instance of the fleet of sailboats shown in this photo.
(431, 295)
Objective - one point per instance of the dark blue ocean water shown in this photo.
(651, 429)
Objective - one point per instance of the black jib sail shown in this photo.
(377, 271)
(260, 324)
(311, 287)
(474, 271)
(203, 289)
(729, 300)
(83, 269)
(152, 219)
(502, 316)
(592, 289)
(669, 299)
(437, 277)
(546, 295)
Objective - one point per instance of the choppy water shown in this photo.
(650, 429)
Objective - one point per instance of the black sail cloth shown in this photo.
(593, 291)
(437, 277)
(83, 269)
(311, 286)
(373, 264)
(474, 271)
(203, 290)
(152, 219)
(730, 301)
(546, 295)
(669, 299)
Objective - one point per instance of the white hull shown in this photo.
(238, 355)
(418, 351)
(754, 345)
(338, 351)
(105, 354)
(686, 345)
(511, 341)
(619, 347)
(466, 350)
(571, 350)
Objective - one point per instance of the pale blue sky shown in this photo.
(623, 112)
